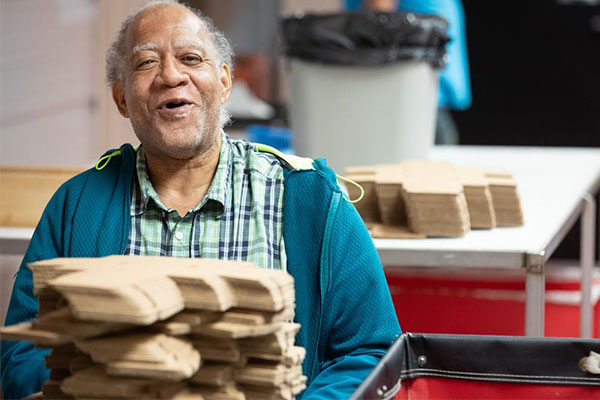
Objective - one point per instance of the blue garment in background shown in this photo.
(455, 86)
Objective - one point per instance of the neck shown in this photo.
(182, 184)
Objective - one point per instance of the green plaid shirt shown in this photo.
(240, 218)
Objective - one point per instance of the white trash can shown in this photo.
(363, 115)
(363, 106)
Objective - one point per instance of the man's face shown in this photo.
(173, 85)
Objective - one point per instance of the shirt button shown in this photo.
(178, 235)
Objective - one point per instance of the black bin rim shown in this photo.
(509, 359)
(365, 38)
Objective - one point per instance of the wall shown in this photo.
(55, 107)
(46, 108)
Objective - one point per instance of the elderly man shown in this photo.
(190, 191)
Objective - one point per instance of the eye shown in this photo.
(145, 64)
(191, 59)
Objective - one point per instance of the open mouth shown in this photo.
(175, 108)
(173, 105)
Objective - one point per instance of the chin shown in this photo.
(180, 141)
(181, 151)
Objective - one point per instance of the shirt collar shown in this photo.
(217, 191)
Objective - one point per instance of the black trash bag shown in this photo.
(366, 38)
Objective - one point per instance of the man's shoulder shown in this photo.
(271, 155)
(246, 155)
(77, 181)
(106, 171)
(269, 162)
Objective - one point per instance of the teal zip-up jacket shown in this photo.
(342, 299)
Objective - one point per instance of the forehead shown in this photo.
(171, 24)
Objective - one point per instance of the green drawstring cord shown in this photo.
(103, 161)
(362, 191)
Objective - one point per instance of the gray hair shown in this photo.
(115, 55)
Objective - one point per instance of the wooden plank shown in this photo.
(25, 191)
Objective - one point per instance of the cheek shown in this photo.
(136, 96)
(208, 86)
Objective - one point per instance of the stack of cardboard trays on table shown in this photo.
(158, 327)
(505, 198)
(420, 198)
(482, 214)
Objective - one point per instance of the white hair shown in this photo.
(115, 55)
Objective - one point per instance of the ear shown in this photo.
(118, 95)
(225, 78)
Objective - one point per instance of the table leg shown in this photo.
(534, 301)
(586, 259)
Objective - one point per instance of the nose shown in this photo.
(170, 74)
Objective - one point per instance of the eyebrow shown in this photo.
(186, 43)
(144, 46)
(182, 43)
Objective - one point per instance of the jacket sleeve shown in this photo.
(359, 322)
(23, 365)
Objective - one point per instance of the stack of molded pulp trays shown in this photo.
(159, 327)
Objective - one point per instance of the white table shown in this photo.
(556, 187)
(14, 240)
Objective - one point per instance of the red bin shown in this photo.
(469, 367)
